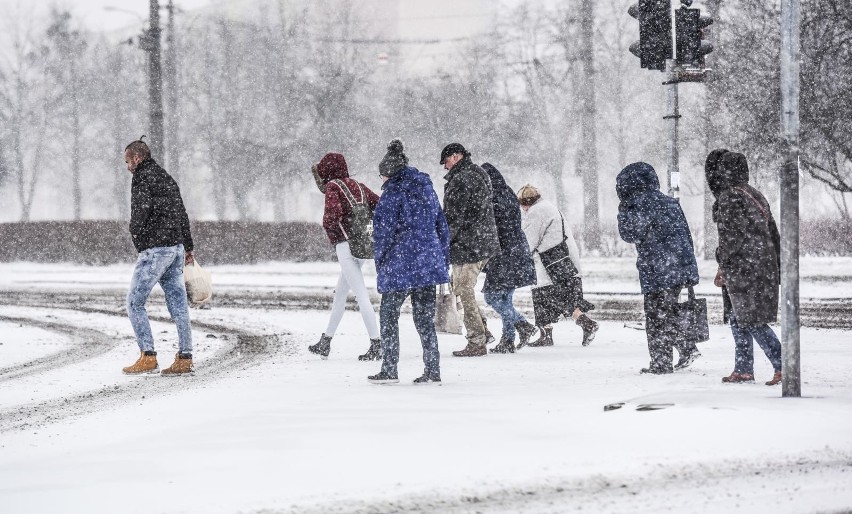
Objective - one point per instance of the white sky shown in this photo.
(93, 13)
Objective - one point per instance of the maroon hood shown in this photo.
(332, 166)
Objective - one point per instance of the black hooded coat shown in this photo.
(513, 267)
(470, 214)
(749, 252)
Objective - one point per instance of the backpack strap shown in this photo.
(753, 199)
(347, 193)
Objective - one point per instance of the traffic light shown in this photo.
(655, 33)
(690, 31)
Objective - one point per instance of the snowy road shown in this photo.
(265, 427)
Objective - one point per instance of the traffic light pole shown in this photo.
(673, 115)
(791, 384)
(155, 84)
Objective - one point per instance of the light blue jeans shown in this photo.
(161, 265)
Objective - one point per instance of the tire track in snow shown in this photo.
(87, 344)
(242, 350)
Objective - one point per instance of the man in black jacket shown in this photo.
(159, 227)
(473, 237)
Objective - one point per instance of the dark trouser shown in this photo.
(744, 353)
(661, 328)
(501, 301)
(423, 307)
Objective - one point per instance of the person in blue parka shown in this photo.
(412, 255)
(512, 268)
(655, 223)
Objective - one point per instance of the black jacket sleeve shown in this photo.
(141, 203)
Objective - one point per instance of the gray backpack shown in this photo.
(360, 235)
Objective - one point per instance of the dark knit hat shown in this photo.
(332, 166)
(394, 160)
(453, 148)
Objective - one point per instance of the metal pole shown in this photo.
(791, 384)
(172, 129)
(155, 84)
(674, 116)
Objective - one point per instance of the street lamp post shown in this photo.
(155, 82)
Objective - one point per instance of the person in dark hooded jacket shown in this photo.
(512, 268)
(412, 247)
(748, 255)
(332, 177)
(473, 237)
(655, 223)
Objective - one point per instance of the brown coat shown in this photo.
(748, 254)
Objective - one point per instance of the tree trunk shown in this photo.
(76, 186)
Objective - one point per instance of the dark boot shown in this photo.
(589, 327)
(322, 347)
(545, 339)
(473, 349)
(374, 353)
(525, 331)
(504, 346)
(489, 337)
(686, 358)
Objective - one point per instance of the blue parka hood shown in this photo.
(636, 179)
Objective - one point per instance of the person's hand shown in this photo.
(188, 258)
(719, 281)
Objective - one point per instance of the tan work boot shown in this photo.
(181, 366)
(145, 364)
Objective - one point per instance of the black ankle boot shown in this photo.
(322, 347)
(546, 338)
(525, 331)
(589, 327)
(504, 346)
(374, 353)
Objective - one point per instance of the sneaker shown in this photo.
(374, 353)
(146, 363)
(322, 347)
(736, 378)
(382, 378)
(686, 359)
(504, 346)
(426, 380)
(181, 366)
(776, 379)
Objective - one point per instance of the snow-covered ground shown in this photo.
(266, 427)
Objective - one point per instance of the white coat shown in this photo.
(542, 224)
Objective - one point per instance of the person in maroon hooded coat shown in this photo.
(332, 178)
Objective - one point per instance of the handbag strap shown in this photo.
(564, 236)
(691, 294)
(753, 199)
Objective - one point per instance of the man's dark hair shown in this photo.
(139, 148)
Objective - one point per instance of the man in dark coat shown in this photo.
(512, 268)
(160, 230)
(749, 256)
(412, 253)
(473, 237)
(666, 260)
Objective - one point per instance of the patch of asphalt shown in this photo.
(696, 487)
(241, 350)
(833, 313)
(87, 344)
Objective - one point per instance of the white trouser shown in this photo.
(352, 279)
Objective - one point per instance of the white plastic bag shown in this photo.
(199, 286)
(447, 317)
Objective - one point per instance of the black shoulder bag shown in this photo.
(557, 260)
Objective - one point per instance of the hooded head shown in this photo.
(636, 178)
(497, 180)
(394, 160)
(735, 167)
(332, 166)
(712, 170)
(528, 195)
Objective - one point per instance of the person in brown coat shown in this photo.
(749, 262)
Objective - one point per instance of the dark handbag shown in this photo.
(692, 319)
(557, 261)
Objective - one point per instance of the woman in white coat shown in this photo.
(545, 228)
